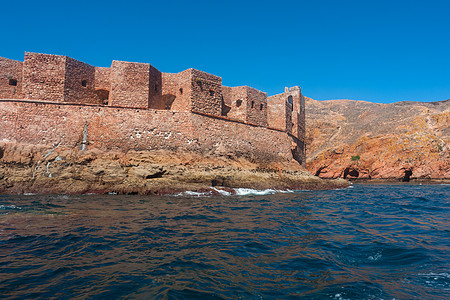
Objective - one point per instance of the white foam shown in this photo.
(12, 206)
(222, 192)
(244, 192)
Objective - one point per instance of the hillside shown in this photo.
(358, 139)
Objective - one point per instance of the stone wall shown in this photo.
(102, 84)
(79, 86)
(155, 88)
(125, 129)
(246, 104)
(206, 94)
(279, 112)
(236, 99)
(176, 91)
(44, 77)
(10, 79)
(130, 84)
(256, 107)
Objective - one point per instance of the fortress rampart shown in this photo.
(57, 100)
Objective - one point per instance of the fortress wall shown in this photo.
(155, 89)
(80, 82)
(256, 107)
(236, 99)
(102, 84)
(44, 77)
(130, 84)
(279, 112)
(10, 79)
(176, 91)
(102, 78)
(136, 129)
(206, 94)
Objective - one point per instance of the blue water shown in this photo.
(364, 242)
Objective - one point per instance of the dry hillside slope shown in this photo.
(358, 139)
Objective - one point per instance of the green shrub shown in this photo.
(355, 157)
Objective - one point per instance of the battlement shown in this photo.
(61, 79)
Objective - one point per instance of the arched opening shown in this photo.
(261, 106)
(352, 173)
(102, 95)
(211, 92)
(238, 103)
(181, 91)
(84, 83)
(291, 102)
(13, 82)
(407, 176)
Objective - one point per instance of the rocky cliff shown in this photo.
(33, 168)
(357, 139)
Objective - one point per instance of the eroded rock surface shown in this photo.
(356, 139)
(26, 168)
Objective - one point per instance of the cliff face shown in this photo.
(357, 139)
(43, 169)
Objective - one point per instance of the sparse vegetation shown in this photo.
(355, 157)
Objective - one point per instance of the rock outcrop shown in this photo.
(356, 139)
(42, 169)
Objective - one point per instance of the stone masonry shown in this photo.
(50, 98)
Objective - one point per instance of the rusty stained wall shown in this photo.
(134, 85)
(44, 77)
(125, 129)
(10, 79)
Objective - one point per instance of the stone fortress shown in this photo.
(57, 100)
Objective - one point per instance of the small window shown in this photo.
(181, 91)
(238, 103)
(253, 104)
(13, 82)
(211, 92)
(261, 106)
(84, 83)
(156, 87)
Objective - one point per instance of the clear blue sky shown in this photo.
(380, 51)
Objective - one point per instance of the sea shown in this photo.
(368, 241)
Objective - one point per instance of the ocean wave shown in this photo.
(12, 206)
(231, 192)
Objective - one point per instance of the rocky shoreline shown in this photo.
(42, 169)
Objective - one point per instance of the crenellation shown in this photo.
(55, 90)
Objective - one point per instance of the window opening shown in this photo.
(211, 92)
(291, 102)
(253, 104)
(181, 91)
(238, 103)
(84, 83)
(13, 82)
(261, 106)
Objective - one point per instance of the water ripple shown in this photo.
(366, 242)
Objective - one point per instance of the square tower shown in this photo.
(10, 79)
(245, 104)
(134, 84)
(192, 90)
(58, 78)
